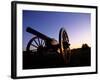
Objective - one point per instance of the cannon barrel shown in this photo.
(38, 34)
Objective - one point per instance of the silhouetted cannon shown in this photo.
(38, 34)
(42, 42)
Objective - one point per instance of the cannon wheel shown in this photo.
(64, 48)
(35, 44)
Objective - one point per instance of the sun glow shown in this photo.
(73, 46)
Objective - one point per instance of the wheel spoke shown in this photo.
(34, 45)
(64, 35)
(43, 43)
(39, 41)
(36, 42)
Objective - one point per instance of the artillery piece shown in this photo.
(41, 43)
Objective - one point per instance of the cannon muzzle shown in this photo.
(38, 34)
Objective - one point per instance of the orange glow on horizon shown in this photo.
(77, 46)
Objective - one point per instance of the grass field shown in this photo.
(79, 57)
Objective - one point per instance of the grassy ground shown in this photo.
(79, 57)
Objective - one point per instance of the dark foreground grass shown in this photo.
(79, 57)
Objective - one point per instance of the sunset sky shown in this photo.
(77, 25)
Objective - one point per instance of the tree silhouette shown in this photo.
(85, 46)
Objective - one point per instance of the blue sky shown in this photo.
(77, 25)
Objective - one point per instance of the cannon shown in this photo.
(41, 43)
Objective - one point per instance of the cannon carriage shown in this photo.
(41, 44)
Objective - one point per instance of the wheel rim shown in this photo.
(64, 51)
(34, 44)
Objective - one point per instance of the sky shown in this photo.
(77, 25)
